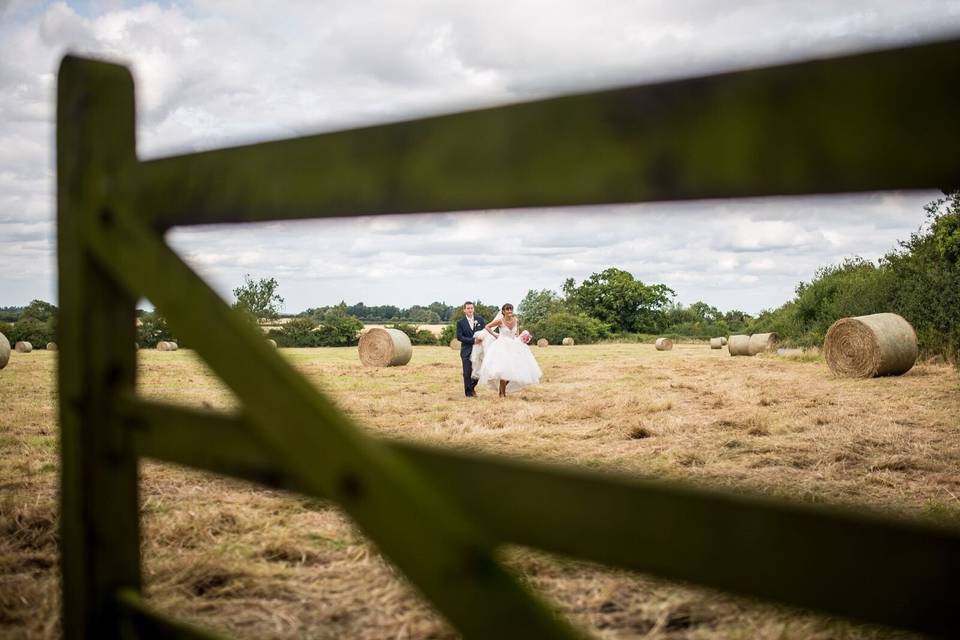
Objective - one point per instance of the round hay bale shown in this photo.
(716, 343)
(762, 342)
(568, 342)
(23, 347)
(455, 344)
(163, 345)
(543, 342)
(4, 351)
(52, 346)
(272, 342)
(173, 346)
(664, 344)
(882, 344)
(739, 345)
(723, 341)
(381, 347)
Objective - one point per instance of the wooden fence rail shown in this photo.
(882, 120)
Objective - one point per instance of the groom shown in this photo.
(466, 327)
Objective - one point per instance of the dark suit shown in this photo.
(465, 336)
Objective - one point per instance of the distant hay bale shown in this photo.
(455, 344)
(882, 344)
(272, 342)
(716, 343)
(762, 343)
(173, 346)
(164, 345)
(543, 342)
(52, 346)
(663, 344)
(739, 345)
(381, 347)
(568, 342)
(23, 347)
(723, 340)
(4, 351)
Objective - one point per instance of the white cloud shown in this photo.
(211, 73)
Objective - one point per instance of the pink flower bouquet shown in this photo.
(525, 336)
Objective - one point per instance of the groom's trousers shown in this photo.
(469, 384)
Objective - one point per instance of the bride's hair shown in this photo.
(506, 306)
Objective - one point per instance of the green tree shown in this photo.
(538, 304)
(615, 297)
(39, 310)
(153, 328)
(258, 298)
(338, 329)
(579, 326)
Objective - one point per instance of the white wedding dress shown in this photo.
(508, 358)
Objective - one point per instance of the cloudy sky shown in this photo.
(213, 73)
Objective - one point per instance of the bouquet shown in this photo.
(525, 336)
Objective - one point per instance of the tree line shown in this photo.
(920, 280)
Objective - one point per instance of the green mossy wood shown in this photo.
(849, 124)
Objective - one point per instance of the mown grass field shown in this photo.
(260, 564)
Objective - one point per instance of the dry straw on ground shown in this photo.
(23, 347)
(250, 562)
(4, 351)
(763, 343)
(381, 347)
(882, 344)
(663, 344)
(739, 345)
(568, 342)
(716, 343)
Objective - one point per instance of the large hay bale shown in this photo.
(543, 342)
(455, 344)
(568, 342)
(723, 340)
(52, 346)
(664, 344)
(739, 345)
(23, 347)
(4, 351)
(716, 343)
(163, 345)
(882, 344)
(381, 347)
(173, 346)
(763, 342)
(272, 342)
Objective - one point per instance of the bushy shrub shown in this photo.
(153, 329)
(579, 326)
(36, 332)
(338, 329)
(448, 333)
(297, 332)
(417, 336)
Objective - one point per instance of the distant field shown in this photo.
(261, 564)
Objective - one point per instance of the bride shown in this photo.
(508, 365)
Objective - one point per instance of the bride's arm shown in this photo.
(493, 325)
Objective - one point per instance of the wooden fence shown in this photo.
(881, 120)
